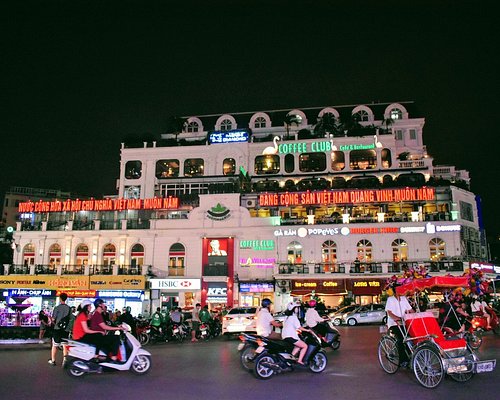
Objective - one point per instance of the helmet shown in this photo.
(98, 302)
(85, 303)
(312, 303)
(292, 305)
(128, 309)
(266, 302)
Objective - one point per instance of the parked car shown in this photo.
(368, 314)
(336, 316)
(240, 319)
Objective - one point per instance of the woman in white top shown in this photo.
(291, 327)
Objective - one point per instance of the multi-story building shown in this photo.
(236, 207)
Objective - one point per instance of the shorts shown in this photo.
(196, 325)
(58, 335)
(290, 340)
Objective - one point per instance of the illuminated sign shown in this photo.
(303, 232)
(234, 136)
(257, 244)
(327, 197)
(430, 228)
(319, 286)
(176, 284)
(100, 282)
(32, 292)
(257, 262)
(78, 293)
(349, 147)
(303, 147)
(374, 230)
(99, 205)
(366, 284)
(256, 287)
(217, 292)
(127, 294)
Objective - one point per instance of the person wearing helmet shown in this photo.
(266, 322)
(110, 343)
(291, 329)
(313, 319)
(126, 317)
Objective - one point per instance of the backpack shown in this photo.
(64, 322)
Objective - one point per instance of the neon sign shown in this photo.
(257, 244)
(349, 147)
(298, 147)
(234, 136)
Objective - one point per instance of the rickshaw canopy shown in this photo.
(432, 282)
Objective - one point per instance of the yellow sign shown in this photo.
(52, 282)
(117, 282)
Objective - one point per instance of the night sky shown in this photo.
(77, 78)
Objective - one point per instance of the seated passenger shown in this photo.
(81, 330)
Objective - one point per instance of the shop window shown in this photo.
(338, 160)
(364, 250)
(437, 249)
(133, 169)
(176, 260)
(167, 168)
(294, 253)
(109, 254)
(289, 163)
(267, 164)
(363, 159)
(229, 166)
(399, 250)
(194, 167)
(386, 158)
(137, 255)
(312, 162)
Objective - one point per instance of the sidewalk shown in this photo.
(24, 344)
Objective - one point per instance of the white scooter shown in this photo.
(80, 359)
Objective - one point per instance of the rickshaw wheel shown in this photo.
(462, 377)
(428, 367)
(388, 355)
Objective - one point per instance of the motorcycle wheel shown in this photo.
(141, 365)
(262, 369)
(337, 321)
(474, 340)
(336, 344)
(318, 362)
(143, 338)
(73, 370)
(247, 356)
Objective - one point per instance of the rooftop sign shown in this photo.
(234, 136)
(99, 205)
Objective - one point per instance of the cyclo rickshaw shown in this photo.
(431, 354)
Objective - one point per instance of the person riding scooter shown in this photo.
(314, 320)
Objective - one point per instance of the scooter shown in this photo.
(80, 359)
(329, 334)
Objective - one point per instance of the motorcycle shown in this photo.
(204, 331)
(274, 356)
(249, 344)
(80, 359)
(329, 334)
(179, 331)
(141, 332)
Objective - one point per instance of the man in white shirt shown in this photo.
(396, 307)
(479, 307)
(266, 322)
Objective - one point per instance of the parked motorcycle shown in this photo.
(80, 359)
(274, 356)
(179, 331)
(141, 331)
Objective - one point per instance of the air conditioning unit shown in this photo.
(251, 203)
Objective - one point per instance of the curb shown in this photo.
(24, 345)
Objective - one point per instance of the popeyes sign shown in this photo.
(346, 197)
(99, 205)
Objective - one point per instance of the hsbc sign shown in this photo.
(175, 284)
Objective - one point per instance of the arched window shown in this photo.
(194, 167)
(294, 253)
(361, 116)
(176, 260)
(329, 255)
(364, 250)
(260, 122)
(312, 162)
(29, 254)
(362, 159)
(82, 254)
(229, 166)
(396, 113)
(268, 164)
(167, 169)
(226, 125)
(54, 255)
(133, 169)
(437, 249)
(109, 254)
(399, 250)
(386, 158)
(289, 163)
(338, 160)
(137, 255)
(192, 127)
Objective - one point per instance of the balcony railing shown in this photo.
(215, 270)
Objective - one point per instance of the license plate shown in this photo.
(486, 366)
(260, 349)
(240, 346)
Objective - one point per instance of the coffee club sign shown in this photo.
(327, 197)
(166, 203)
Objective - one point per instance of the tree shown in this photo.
(327, 124)
(176, 125)
(289, 120)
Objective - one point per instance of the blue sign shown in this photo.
(32, 292)
(255, 287)
(234, 136)
(127, 294)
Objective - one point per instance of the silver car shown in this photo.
(336, 316)
(368, 314)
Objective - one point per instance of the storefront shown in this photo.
(174, 292)
(251, 293)
(365, 290)
(330, 291)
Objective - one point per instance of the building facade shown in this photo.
(324, 201)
